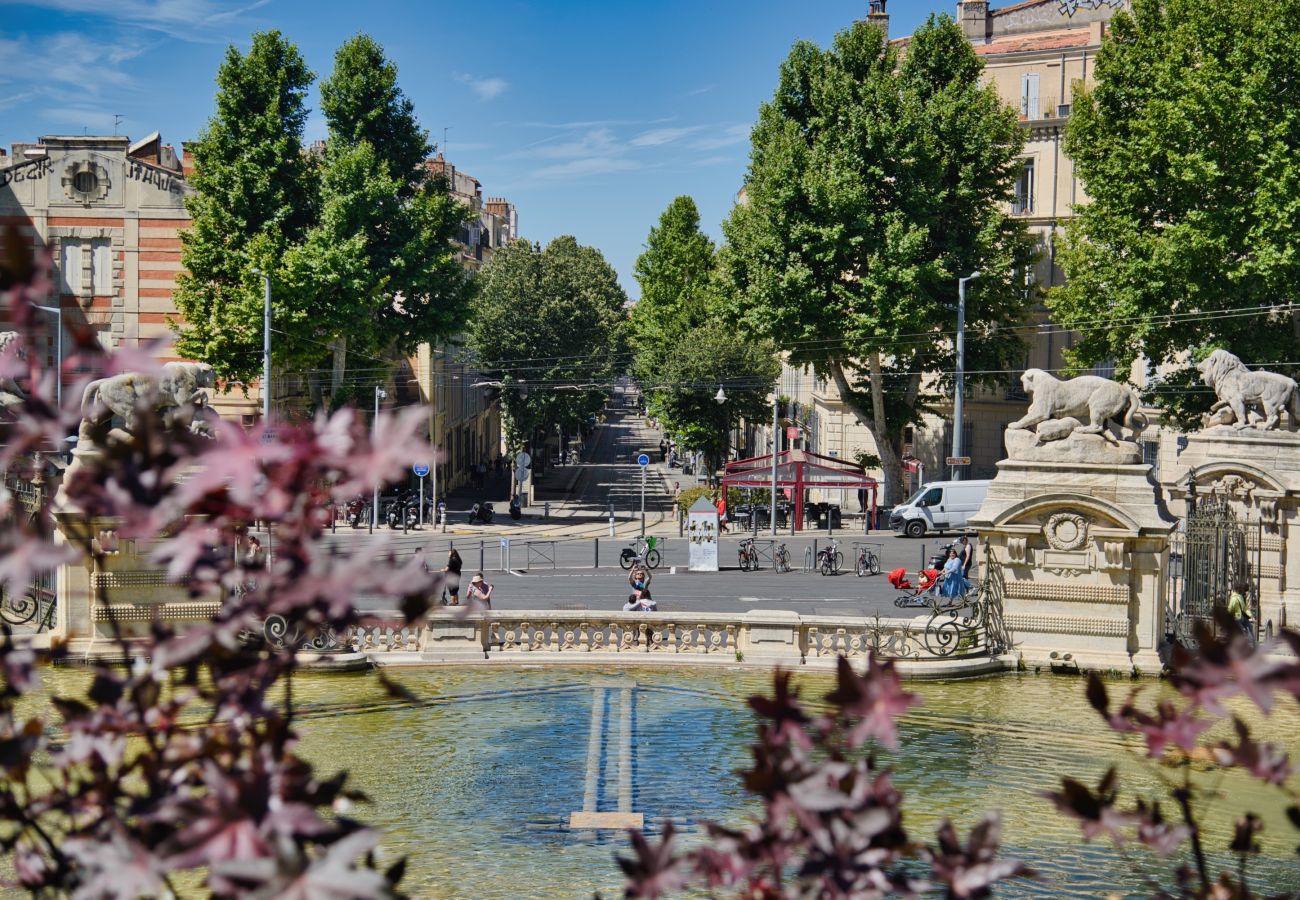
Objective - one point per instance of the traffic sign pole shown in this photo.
(644, 462)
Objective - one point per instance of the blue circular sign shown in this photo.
(420, 470)
(643, 460)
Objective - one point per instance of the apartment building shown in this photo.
(1034, 53)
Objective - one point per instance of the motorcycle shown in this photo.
(480, 513)
(405, 510)
(357, 512)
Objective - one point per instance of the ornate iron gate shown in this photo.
(1213, 551)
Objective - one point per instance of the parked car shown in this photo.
(939, 506)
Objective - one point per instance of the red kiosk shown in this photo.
(799, 470)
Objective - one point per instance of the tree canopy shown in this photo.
(550, 323)
(253, 200)
(684, 347)
(1188, 147)
(874, 183)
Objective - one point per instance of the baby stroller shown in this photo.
(922, 594)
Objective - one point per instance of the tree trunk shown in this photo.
(889, 449)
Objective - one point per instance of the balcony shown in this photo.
(1036, 109)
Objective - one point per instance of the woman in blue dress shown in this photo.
(954, 583)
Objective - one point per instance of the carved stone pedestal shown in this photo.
(1258, 474)
(122, 595)
(1079, 551)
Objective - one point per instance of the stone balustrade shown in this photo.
(944, 643)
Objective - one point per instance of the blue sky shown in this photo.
(590, 116)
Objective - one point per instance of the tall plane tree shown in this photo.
(684, 347)
(378, 269)
(874, 183)
(550, 322)
(252, 202)
(1188, 147)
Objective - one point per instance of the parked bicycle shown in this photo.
(781, 558)
(641, 550)
(829, 559)
(867, 563)
(748, 555)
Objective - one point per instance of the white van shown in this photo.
(939, 506)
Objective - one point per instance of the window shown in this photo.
(1105, 369)
(69, 266)
(101, 267)
(1023, 200)
(933, 497)
(85, 182)
(1029, 95)
(1151, 456)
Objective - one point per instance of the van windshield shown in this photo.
(917, 496)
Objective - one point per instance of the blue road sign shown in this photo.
(643, 460)
(420, 470)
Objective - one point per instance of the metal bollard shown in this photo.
(546, 510)
(480, 556)
(611, 525)
(596, 563)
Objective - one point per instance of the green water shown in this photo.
(475, 781)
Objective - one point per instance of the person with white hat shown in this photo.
(480, 591)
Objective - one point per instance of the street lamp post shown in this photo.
(380, 394)
(58, 353)
(776, 444)
(959, 396)
(266, 346)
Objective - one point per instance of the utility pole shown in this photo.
(959, 396)
(380, 394)
(776, 444)
(266, 347)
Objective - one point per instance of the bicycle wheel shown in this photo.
(838, 562)
(873, 563)
(625, 559)
(18, 610)
(860, 568)
(652, 559)
(744, 561)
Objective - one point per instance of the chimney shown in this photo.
(877, 16)
(496, 206)
(974, 18)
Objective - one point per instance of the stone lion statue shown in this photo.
(180, 385)
(11, 395)
(1240, 390)
(1088, 398)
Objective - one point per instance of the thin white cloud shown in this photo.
(711, 161)
(702, 89)
(68, 58)
(581, 168)
(660, 136)
(736, 134)
(190, 20)
(486, 89)
(597, 142)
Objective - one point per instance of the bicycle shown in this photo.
(868, 563)
(781, 558)
(748, 555)
(830, 559)
(641, 550)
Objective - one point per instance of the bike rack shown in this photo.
(877, 547)
(541, 551)
(765, 550)
(809, 560)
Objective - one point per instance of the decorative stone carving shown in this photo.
(1114, 557)
(1070, 417)
(1240, 392)
(1018, 551)
(1066, 530)
(86, 182)
(180, 386)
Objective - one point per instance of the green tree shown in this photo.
(378, 269)
(551, 323)
(874, 184)
(683, 347)
(708, 356)
(253, 200)
(674, 273)
(1188, 147)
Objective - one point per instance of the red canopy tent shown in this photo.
(799, 470)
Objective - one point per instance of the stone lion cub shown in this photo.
(1089, 398)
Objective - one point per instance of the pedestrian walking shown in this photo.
(954, 583)
(966, 553)
(1238, 610)
(677, 492)
(722, 512)
(452, 573)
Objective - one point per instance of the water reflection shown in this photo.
(475, 781)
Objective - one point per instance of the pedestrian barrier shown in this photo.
(541, 552)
